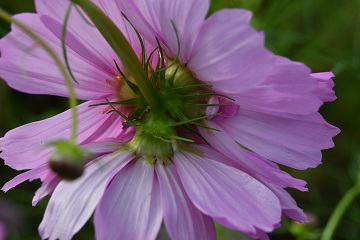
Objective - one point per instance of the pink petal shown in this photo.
(229, 54)
(261, 235)
(86, 40)
(288, 205)
(113, 11)
(251, 163)
(153, 19)
(131, 205)
(182, 219)
(72, 203)
(50, 182)
(274, 180)
(106, 145)
(47, 187)
(292, 140)
(26, 67)
(325, 86)
(288, 89)
(38, 172)
(228, 195)
(32, 139)
(49, 178)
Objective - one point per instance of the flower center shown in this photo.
(182, 107)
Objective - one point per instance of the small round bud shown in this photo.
(67, 160)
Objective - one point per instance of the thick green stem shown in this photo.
(72, 99)
(123, 49)
(339, 211)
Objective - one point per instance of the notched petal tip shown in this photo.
(325, 86)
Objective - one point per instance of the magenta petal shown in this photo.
(229, 54)
(50, 179)
(251, 163)
(261, 235)
(288, 89)
(288, 205)
(131, 206)
(153, 19)
(72, 203)
(83, 39)
(182, 219)
(107, 145)
(292, 140)
(26, 67)
(32, 139)
(47, 187)
(325, 86)
(228, 195)
(37, 172)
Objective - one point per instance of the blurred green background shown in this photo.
(324, 34)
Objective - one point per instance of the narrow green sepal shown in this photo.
(189, 106)
(200, 85)
(193, 121)
(203, 95)
(139, 112)
(132, 101)
(143, 50)
(195, 132)
(121, 114)
(131, 85)
(122, 48)
(63, 45)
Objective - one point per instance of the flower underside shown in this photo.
(181, 107)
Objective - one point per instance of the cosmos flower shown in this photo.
(223, 113)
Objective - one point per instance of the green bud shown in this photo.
(67, 160)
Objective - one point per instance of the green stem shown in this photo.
(123, 49)
(72, 99)
(339, 211)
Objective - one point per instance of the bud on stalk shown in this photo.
(67, 160)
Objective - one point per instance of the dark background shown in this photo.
(324, 34)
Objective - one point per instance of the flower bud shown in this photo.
(67, 160)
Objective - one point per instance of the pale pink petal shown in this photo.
(229, 54)
(72, 203)
(287, 89)
(131, 205)
(182, 219)
(106, 145)
(50, 182)
(288, 205)
(325, 86)
(113, 11)
(84, 39)
(26, 67)
(49, 178)
(251, 163)
(37, 172)
(261, 235)
(153, 19)
(292, 140)
(26, 147)
(47, 187)
(228, 195)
